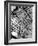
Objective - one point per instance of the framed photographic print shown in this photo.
(20, 22)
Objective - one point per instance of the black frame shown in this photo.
(6, 22)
